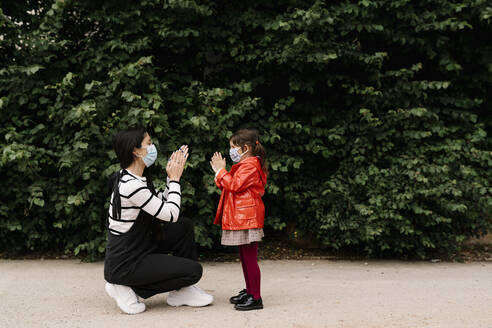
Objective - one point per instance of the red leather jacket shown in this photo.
(240, 205)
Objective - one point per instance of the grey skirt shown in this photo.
(241, 237)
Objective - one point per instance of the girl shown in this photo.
(241, 211)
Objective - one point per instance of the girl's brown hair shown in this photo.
(250, 137)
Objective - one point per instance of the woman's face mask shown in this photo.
(151, 156)
(234, 154)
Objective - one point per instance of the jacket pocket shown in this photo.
(246, 211)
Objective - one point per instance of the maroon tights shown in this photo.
(249, 259)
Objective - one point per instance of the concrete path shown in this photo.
(68, 293)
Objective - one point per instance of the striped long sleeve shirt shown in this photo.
(136, 196)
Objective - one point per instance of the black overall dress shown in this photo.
(138, 260)
(124, 252)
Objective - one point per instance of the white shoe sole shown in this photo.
(123, 308)
(175, 303)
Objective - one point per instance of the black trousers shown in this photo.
(160, 272)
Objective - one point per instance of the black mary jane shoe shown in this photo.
(249, 304)
(239, 298)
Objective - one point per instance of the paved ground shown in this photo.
(68, 293)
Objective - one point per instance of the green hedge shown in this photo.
(375, 114)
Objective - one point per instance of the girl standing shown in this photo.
(241, 211)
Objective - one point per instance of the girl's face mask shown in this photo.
(234, 154)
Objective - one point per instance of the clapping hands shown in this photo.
(176, 163)
(217, 162)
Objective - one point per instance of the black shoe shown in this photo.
(249, 304)
(239, 298)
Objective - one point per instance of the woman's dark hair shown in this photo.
(124, 142)
(250, 137)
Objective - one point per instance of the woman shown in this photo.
(137, 260)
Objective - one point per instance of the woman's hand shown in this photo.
(217, 162)
(176, 163)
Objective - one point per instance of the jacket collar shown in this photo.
(256, 162)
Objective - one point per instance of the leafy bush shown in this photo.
(375, 114)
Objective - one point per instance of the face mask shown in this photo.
(234, 154)
(151, 156)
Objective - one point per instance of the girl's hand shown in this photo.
(176, 163)
(217, 162)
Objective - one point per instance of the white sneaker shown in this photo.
(201, 291)
(125, 298)
(191, 296)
